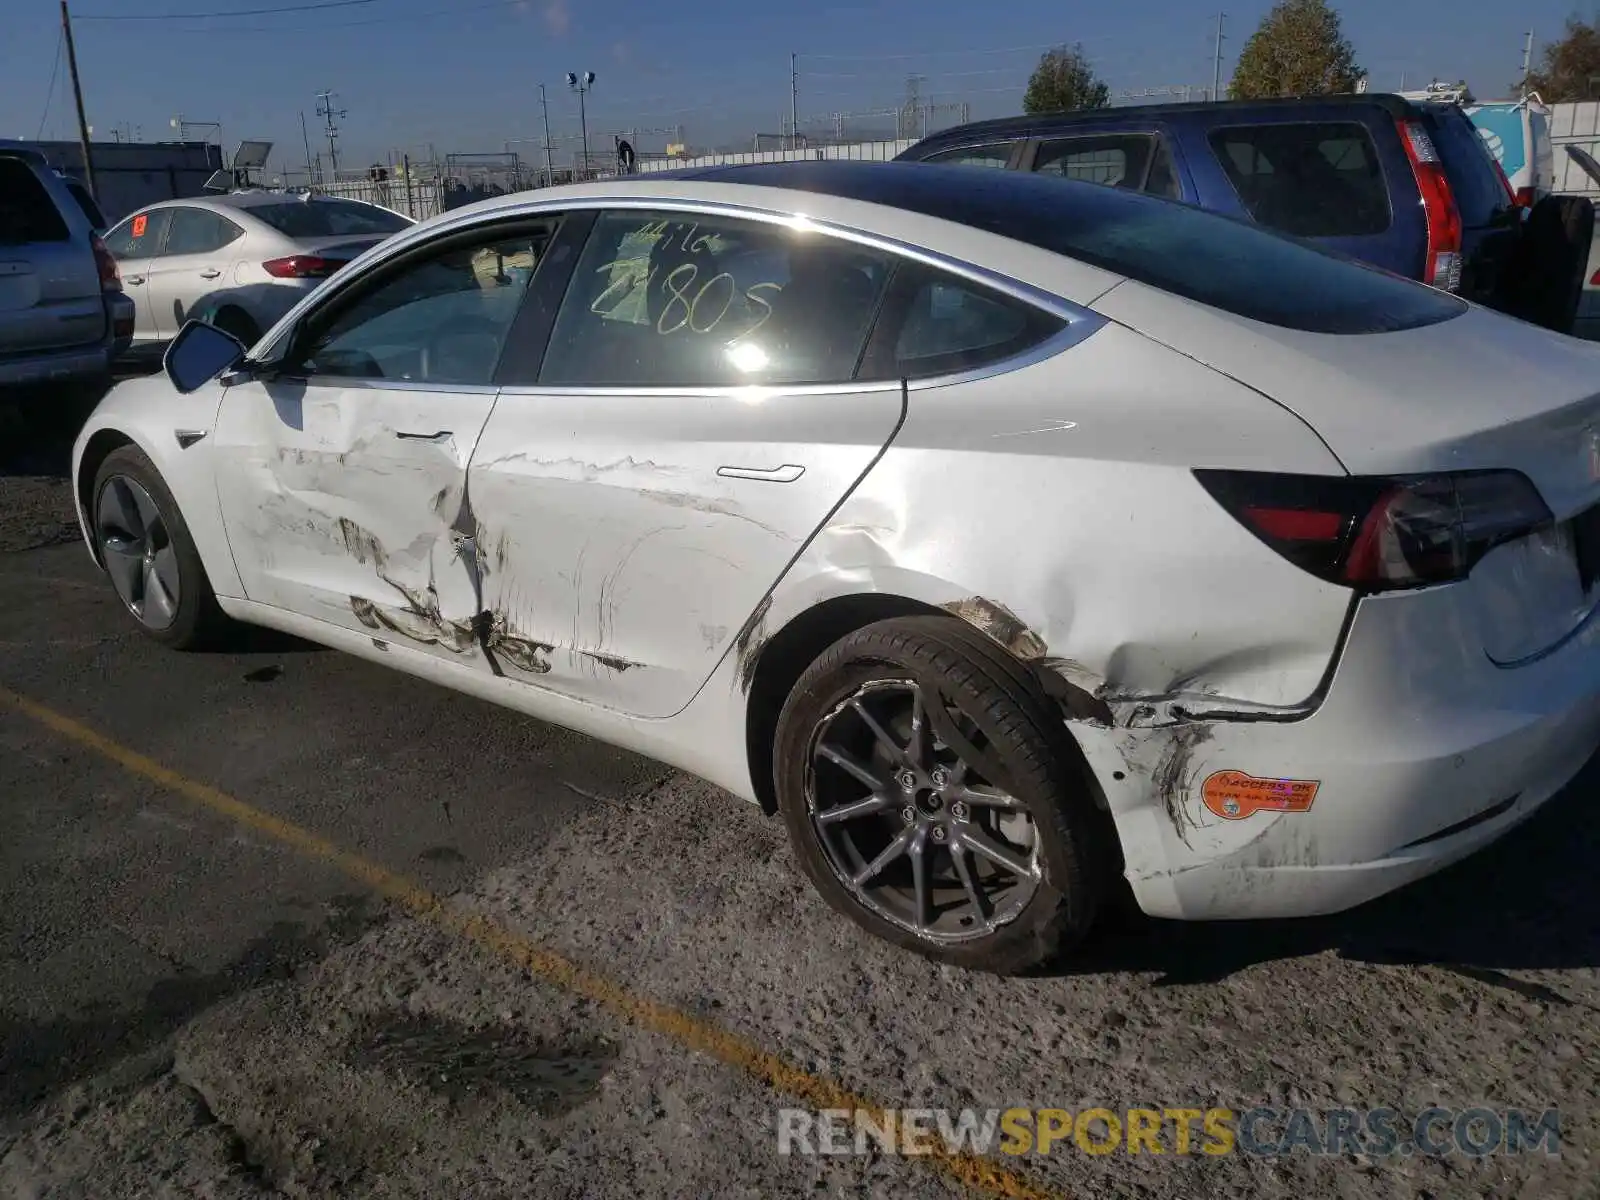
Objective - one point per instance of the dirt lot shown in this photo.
(280, 922)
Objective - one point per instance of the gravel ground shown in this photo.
(190, 1006)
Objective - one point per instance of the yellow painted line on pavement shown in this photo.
(977, 1172)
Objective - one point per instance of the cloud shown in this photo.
(556, 17)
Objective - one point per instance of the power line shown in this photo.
(392, 19)
(206, 16)
(942, 53)
(50, 92)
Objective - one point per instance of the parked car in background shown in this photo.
(63, 313)
(1408, 186)
(1004, 535)
(238, 261)
(1517, 135)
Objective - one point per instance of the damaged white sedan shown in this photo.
(1005, 535)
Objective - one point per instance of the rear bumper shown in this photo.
(1423, 752)
(58, 366)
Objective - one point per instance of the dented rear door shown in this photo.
(343, 478)
(638, 499)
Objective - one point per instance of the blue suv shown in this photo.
(1404, 185)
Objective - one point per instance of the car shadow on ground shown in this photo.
(1529, 902)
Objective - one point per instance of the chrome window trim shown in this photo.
(391, 385)
(1080, 322)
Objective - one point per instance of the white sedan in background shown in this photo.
(239, 261)
(1004, 534)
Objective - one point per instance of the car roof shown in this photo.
(25, 153)
(1007, 128)
(248, 200)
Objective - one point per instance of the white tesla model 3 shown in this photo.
(1004, 534)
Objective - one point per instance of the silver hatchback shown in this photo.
(239, 261)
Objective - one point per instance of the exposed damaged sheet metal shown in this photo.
(622, 543)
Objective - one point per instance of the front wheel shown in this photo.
(148, 553)
(933, 796)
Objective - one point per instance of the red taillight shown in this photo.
(1525, 197)
(110, 277)
(1295, 524)
(1442, 268)
(302, 266)
(1381, 534)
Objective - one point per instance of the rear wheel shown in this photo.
(149, 554)
(933, 796)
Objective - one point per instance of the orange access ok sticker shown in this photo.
(1233, 795)
(139, 224)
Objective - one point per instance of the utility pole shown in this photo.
(1527, 60)
(311, 180)
(1216, 69)
(326, 110)
(77, 95)
(549, 167)
(794, 101)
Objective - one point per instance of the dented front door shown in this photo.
(343, 476)
(345, 503)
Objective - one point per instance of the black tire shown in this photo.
(1072, 842)
(1545, 284)
(198, 622)
(239, 324)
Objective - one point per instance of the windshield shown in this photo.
(328, 218)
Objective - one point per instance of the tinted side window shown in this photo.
(936, 323)
(1311, 180)
(440, 319)
(672, 300)
(997, 154)
(97, 219)
(138, 236)
(27, 213)
(196, 231)
(1117, 160)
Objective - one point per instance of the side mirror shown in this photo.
(199, 354)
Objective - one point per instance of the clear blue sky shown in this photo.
(464, 76)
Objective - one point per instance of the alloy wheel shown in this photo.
(906, 801)
(138, 552)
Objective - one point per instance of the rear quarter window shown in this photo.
(27, 211)
(1312, 179)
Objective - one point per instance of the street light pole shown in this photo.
(581, 84)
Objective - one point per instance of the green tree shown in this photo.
(1063, 80)
(1570, 68)
(1298, 50)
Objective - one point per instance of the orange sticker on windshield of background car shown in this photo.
(1233, 795)
(139, 224)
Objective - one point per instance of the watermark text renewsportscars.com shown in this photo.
(1263, 1132)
